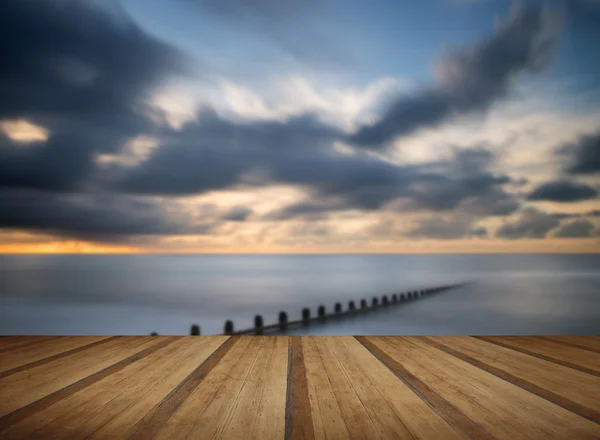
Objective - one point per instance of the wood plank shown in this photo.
(95, 394)
(36, 406)
(90, 409)
(155, 419)
(450, 413)
(23, 358)
(205, 412)
(242, 417)
(501, 408)
(328, 420)
(589, 343)
(394, 408)
(21, 389)
(298, 418)
(356, 418)
(188, 366)
(270, 420)
(298, 387)
(576, 391)
(8, 343)
(218, 412)
(571, 357)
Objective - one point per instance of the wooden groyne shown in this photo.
(322, 316)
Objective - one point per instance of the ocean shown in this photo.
(140, 294)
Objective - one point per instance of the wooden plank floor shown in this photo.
(205, 387)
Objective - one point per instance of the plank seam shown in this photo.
(337, 401)
(349, 379)
(236, 400)
(571, 344)
(16, 416)
(446, 410)
(524, 384)
(153, 421)
(55, 357)
(32, 341)
(298, 417)
(540, 356)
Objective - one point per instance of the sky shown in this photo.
(299, 126)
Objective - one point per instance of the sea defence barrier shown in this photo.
(306, 318)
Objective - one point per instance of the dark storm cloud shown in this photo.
(99, 217)
(107, 217)
(84, 74)
(81, 72)
(576, 229)
(470, 80)
(447, 229)
(213, 153)
(463, 183)
(563, 192)
(73, 58)
(583, 156)
(532, 223)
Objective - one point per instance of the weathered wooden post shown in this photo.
(305, 316)
(351, 306)
(228, 330)
(195, 330)
(375, 302)
(363, 304)
(338, 308)
(283, 321)
(321, 312)
(258, 324)
(385, 300)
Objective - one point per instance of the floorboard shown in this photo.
(279, 387)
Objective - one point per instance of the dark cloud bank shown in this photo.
(85, 74)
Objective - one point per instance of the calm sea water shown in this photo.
(89, 295)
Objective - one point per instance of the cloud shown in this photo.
(583, 155)
(98, 217)
(563, 192)
(470, 80)
(447, 228)
(238, 214)
(576, 229)
(463, 183)
(81, 72)
(532, 223)
(110, 218)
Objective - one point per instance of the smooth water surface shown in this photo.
(138, 294)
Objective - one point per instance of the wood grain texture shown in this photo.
(30, 356)
(298, 423)
(487, 399)
(591, 343)
(450, 413)
(561, 354)
(583, 342)
(33, 393)
(576, 391)
(261, 387)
